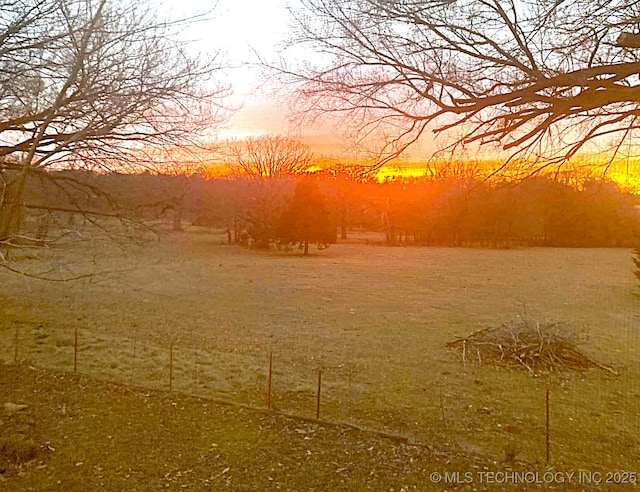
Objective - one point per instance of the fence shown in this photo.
(261, 381)
(555, 422)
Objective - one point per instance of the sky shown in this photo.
(245, 31)
(241, 30)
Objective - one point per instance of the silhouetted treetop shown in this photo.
(267, 156)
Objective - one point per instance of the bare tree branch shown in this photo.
(523, 77)
(269, 156)
(94, 85)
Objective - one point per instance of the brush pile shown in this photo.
(538, 348)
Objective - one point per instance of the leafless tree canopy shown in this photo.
(536, 78)
(269, 156)
(86, 77)
(94, 85)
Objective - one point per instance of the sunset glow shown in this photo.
(319, 244)
(248, 31)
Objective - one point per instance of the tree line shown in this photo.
(318, 207)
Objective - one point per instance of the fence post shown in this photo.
(171, 367)
(319, 391)
(548, 427)
(16, 351)
(269, 380)
(133, 362)
(75, 350)
(196, 369)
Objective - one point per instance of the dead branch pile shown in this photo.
(539, 348)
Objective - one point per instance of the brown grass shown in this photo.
(375, 319)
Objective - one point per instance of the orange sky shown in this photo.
(244, 31)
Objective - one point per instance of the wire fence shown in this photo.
(557, 419)
(259, 380)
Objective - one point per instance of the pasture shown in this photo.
(374, 319)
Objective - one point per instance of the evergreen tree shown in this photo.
(306, 219)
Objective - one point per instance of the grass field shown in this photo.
(374, 319)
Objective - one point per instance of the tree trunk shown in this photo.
(343, 222)
(178, 208)
(43, 230)
(236, 230)
(11, 210)
(306, 248)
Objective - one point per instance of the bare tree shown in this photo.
(93, 85)
(538, 80)
(269, 163)
(268, 156)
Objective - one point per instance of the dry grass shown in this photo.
(375, 319)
